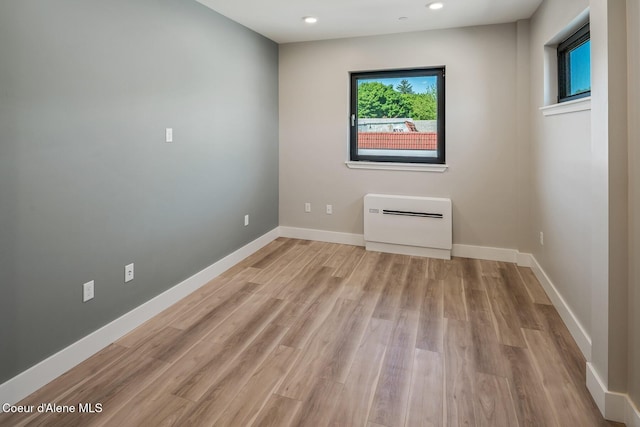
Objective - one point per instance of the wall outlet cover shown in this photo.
(88, 291)
(128, 273)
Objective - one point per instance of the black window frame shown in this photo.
(440, 73)
(565, 48)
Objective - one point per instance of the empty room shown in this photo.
(303, 213)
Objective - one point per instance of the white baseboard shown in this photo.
(465, 251)
(408, 250)
(487, 253)
(37, 376)
(632, 414)
(322, 236)
(525, 259)
(568, 317)
(613, 406)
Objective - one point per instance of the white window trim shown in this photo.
(414, 167)
(581, 104)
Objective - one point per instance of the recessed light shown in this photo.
(435, 5)
(310, 19)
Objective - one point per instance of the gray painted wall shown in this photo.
(87, 183)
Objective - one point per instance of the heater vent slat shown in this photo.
(410, 213)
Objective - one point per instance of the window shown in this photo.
(398, 116)
(574, 66)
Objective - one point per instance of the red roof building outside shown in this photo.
(398, 140)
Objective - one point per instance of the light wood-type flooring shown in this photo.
(317, 334)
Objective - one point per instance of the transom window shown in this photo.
(574, 66)
(398, 116)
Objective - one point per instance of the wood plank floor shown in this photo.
(317, 334)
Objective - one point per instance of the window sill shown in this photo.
(567, 107)
(416, 167)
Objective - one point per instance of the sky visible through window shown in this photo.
(580, 60)
(418, 84)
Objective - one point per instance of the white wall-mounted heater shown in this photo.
(408, 225)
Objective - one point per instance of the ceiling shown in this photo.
(281, 20)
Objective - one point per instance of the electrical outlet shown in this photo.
(87, 291)
(246, 220)
(541, 238)
(128, 273)
(168, 135)
(329, 209)
(307, 207)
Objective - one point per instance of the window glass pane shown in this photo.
(574, 66)
(398, 116)
(580, 69)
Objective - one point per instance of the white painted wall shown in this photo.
(526, 240)
(482, 144)
(633, 48)
(561, 199)
(584, 168)
(610, 192)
